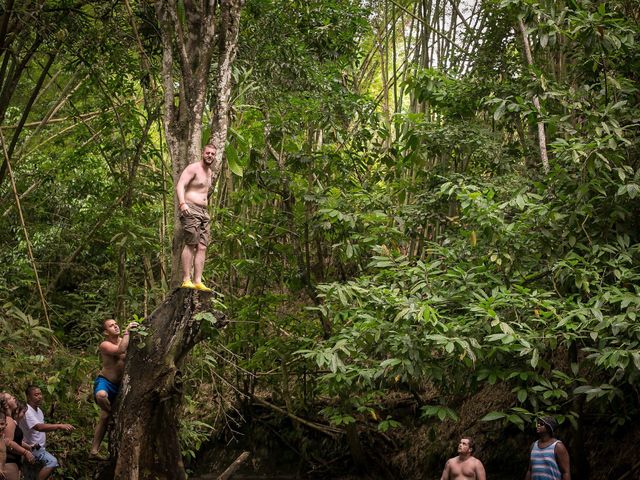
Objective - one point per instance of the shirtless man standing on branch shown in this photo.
(105, 388)
(465, 466)
(192, 191)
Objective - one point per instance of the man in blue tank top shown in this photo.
(549, 456)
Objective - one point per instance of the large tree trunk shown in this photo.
(188, 43)
(145, 441)
(145, 438)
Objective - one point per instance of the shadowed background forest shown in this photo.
(426, 224)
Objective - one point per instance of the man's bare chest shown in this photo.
(463, 470)
(200, 181)
(110, 360)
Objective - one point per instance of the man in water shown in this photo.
(465, 466)
(35, 432)
(192, 191)
(549, 456)
(105, 387)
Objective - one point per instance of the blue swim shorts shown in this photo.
(111, 388)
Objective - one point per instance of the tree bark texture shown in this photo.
(542, 137)
(187, 42)
(228, 48)
(145, 442)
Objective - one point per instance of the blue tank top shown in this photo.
(543, 462)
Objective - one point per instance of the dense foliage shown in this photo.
(383, 226)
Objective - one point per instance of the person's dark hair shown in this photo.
(210, 145)
(472, 443)
(4, 407)
(3, 416)
(104, 323)
(20, 407)
(29, 390)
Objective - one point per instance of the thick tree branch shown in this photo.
(542, 136)
(230, 27)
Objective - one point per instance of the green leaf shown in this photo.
(516, 420)
(497, 115)
(544, 39)
(390, 362)
(535, 358)
(349, 251)
(232, 160)
(636, 359)
(522, 395)
(489, 417)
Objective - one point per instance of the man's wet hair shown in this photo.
(104, 323)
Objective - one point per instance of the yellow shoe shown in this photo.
(187, 284)
(201, 286)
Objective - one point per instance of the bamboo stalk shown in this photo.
(62, 132)
(426, 25)
(24, 194)
(25, 231)
(45, 122)
(456, 8)
(384, 70)
(25, 113)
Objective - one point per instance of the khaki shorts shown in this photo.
(196, 225)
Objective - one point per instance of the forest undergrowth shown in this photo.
(422, 229)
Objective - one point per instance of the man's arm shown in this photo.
(562, 457)
(51, 427)
(445, 473)
(181, 187)
(480, 473)
(12, 445)
(3, 458)
(109, 348)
